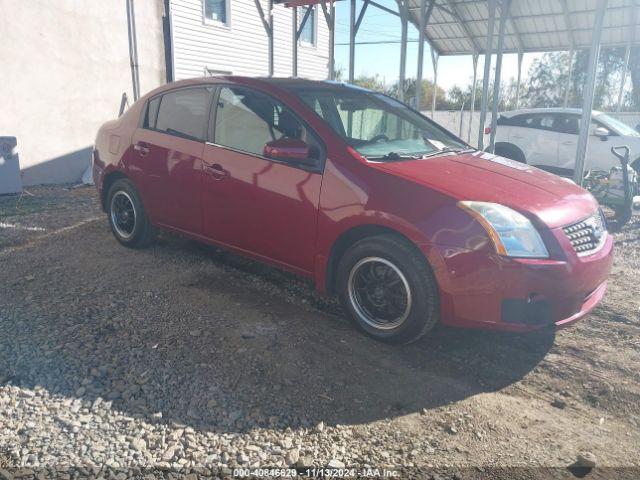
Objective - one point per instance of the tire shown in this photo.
(388, 265)
(509, 150)
(127, 218)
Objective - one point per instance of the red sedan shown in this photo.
(376, 203)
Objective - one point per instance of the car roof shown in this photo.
(282, 82)
(523, 111)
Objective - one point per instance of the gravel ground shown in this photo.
(184, 359)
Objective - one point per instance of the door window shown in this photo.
(566, 123)
(246, 120)
(184, 113)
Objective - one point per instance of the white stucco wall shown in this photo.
(65, 65)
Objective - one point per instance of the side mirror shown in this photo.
(602, 133)
(291, 149)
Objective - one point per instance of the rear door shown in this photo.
(169, 148)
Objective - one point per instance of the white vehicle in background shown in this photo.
(548, 138)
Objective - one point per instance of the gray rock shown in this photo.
(139, 444)
(586, 459)
(334, 463)
(292, 456)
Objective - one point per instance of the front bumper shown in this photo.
(480, 289)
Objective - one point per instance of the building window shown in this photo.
(308, 33)
(216, 11)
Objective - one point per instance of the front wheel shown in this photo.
(388, 289)
(127, 218)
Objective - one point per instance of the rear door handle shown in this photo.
(517, 136)
(570, 142)
(141, 148)
(216, 171)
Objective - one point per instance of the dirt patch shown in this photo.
(183, 356)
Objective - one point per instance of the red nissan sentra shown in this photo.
(376, 203)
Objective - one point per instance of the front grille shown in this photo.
(587, 235)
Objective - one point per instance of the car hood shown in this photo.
(547, 199)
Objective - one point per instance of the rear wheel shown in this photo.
(388, 289)
(127, 218)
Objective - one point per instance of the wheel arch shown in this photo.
(350, 237)
(109, 180)
(510, 147)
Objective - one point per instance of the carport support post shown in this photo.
(294, 40)
(434, 61)
(330, 18)
(487, 73)
(567, 88)
(332, 42)
(589, 88)
(627, 53)
(404, 25)
(267, 23)
(624, 77)
(270, 15)
(352, 40)
(520, 57)
(504, 14)
(473, 93)
(424, 19)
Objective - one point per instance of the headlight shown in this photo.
(512, 233)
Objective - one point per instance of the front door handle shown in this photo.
(569, 142)
(142, 149)
(216, 171)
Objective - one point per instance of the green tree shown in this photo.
(548, 78)
(372, 82)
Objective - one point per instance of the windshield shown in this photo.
(620, 127)
(377, 126)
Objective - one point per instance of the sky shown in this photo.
(384, 59)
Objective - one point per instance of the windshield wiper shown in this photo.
(448, 150)
(393, 156)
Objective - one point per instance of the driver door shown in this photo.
(264, 207)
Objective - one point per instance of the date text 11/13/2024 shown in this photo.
(313, 472)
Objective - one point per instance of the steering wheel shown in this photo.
(378, 138)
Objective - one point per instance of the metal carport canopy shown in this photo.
(459, 27)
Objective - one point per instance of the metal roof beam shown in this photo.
(456, 14)
(567, 22)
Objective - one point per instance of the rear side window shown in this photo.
(184, 113)
(152, 113)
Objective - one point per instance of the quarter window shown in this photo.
(247, 120)
(308, 33)
(184, 113)
(152, 113)
(216, 10)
